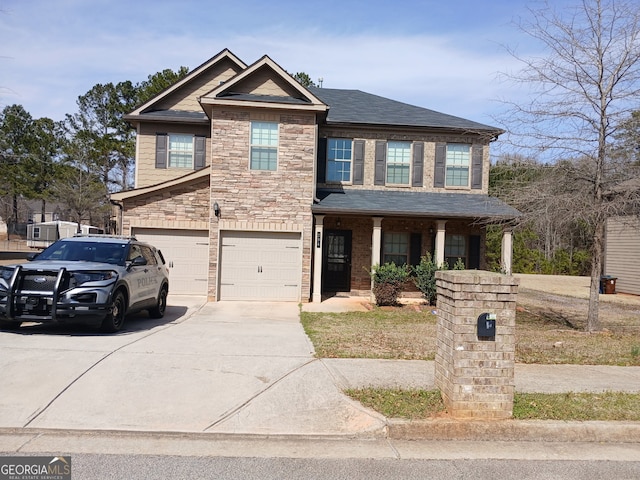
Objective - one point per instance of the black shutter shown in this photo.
(381, 163)
(321, 161)
(358, 162)
(476, 166)
(440, 165)
(418, 164)
(474, 252)
(415, 249)
(199, 159)
(161, 150)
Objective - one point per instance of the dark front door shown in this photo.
(336, 268)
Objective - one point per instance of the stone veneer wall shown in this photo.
(271, 201)
(475, 376)
(182, 207)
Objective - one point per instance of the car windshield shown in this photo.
(113, 253)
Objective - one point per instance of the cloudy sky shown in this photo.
(443, 55)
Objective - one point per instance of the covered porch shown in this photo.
(357, 229)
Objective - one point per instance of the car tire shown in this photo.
(114, 321)
(8, 326)
(161, 305)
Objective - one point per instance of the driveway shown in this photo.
(225, 367)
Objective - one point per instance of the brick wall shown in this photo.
(475, 375)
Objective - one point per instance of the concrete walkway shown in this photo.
(237, 368)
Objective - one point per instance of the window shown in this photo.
(398, 162)
(36, 232)
(264, 145)
(338, 160)
(180, 151)
(396, 248)
(454, 248)
(457, 165)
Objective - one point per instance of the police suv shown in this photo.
(91, 279)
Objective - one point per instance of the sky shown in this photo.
(442, 55)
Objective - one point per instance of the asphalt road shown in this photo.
(134, 467)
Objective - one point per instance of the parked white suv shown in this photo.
(91, 279)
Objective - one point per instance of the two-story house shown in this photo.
(257, 188)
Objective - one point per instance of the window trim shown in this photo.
(454, 258)
(193, 151)
(407, 254)
(266, 146)
(447, 165)
(389, 163)
(350, 161)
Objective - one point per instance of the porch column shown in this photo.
(440, 233)
(376, 245)
(317, 259)
(507, 250)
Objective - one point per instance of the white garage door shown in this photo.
(186, 253)
(260, 266)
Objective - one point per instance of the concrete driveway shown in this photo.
(225, 367)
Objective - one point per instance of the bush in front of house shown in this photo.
(388, 280)
(425, 276)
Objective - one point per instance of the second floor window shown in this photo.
(398, 162)
(338, 160)
(264, 146)
(180, 151)
(457, 169)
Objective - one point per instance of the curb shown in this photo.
(515, 430)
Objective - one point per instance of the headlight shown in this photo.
(86, 277)
(6, 273)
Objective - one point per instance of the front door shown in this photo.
(336, 268)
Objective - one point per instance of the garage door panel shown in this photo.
(186, 253)
(260, 266)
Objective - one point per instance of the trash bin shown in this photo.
(607, 284)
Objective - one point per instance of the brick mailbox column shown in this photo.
(475, 374)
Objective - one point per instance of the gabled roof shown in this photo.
(357, 107)
(225, 54)
(427, 204)
(236, 91)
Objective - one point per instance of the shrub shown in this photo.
(387, 282)
(425, 278)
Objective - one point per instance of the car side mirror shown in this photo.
(138, 261)
(32, 256)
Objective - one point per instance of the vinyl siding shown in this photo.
(623, 253)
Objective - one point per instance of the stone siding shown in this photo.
(185, 207)
(262, 200)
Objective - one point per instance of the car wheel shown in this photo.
(4, 325)
(114, 321)
(161, 306)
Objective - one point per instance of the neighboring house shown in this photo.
(257, 188)
(53, 211)
(43, 234)
(622, 253)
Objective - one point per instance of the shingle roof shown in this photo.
(263, 98)
(428, 204)
(355, 106)
(171, 115)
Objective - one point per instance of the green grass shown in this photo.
(427, 404)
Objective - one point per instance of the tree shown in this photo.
(304, 79)
(158, 82)
(583, 89)
(99, 130)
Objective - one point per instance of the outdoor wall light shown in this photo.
(216, 209)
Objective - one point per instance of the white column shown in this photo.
(317, 259)
(440, 234)
(376, 241)
(507, 250)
